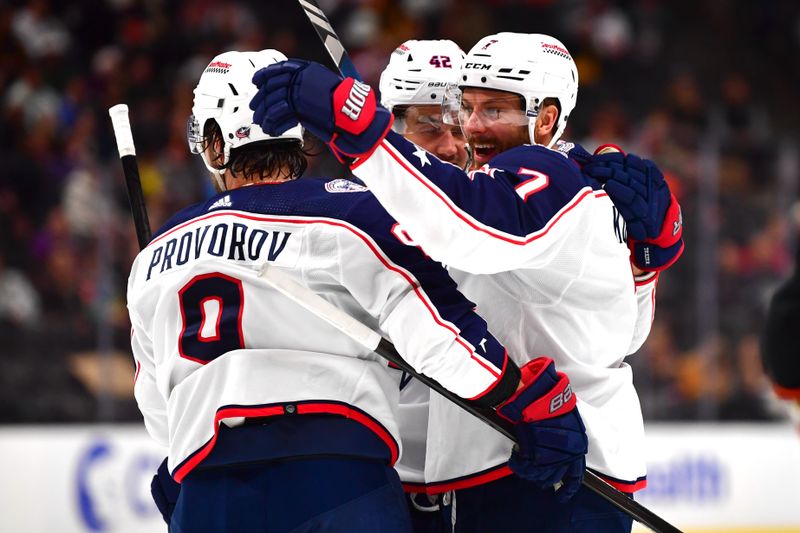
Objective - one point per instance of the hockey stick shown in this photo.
(329, 38)
(370, 339)
(127, 154)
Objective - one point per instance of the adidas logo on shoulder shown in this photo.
(343, 185)
(225, 201)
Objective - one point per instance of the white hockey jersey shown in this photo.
(543, 255)
(214, 343)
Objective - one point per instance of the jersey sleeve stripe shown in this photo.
(469, 220)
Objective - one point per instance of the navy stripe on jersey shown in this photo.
(503, 194)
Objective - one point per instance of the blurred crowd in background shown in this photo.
(707, 89)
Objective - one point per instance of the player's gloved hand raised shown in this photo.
(551, 438)
(165, 491)
(639, 192)
(344, 113)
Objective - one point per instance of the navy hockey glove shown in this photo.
(641, 195)
(165, 491)
(344, 113)
(551, 439)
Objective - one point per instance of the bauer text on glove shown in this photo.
(344, 113)
(551, 438)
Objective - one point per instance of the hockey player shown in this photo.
(532, 241)
(411, 86)
(274, 421)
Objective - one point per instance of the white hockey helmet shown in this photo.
(532, 65)
(223, 94)
(419, 72)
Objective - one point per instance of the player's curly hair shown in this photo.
(284, 158)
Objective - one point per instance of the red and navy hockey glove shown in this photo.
(344, 113)
(551, 439)
(641, 195)
(165, 491)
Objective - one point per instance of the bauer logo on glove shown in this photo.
(343, 113)
(357, 96)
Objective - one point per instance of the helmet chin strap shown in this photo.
(217, 173)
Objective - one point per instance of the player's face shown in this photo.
(424, 127)
(493, 122)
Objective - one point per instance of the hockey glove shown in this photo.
(343, 113)
(551, 438)
(165, 491)
(641, 195)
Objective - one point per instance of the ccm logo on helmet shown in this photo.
(478, 66)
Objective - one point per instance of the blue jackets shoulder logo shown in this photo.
(343, 185)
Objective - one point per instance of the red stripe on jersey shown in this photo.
(278, 410)
(474, 480)
(409, 486)
(367, 240)
(232, 412)
(625, 486)
(501, 471)
(520, 241)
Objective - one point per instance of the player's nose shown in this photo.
(447, 149)
(473, 124)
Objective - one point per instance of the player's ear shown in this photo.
(546, 121)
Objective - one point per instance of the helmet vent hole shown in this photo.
(505, 70)
(464, 78)
(233, 89)
(433, 96)
(410, 59)
(524, 71)
(235, 109)
(483, 79)
(230, 136)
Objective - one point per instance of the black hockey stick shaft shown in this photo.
(370, 339)
(333, 45)
(127, 155)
